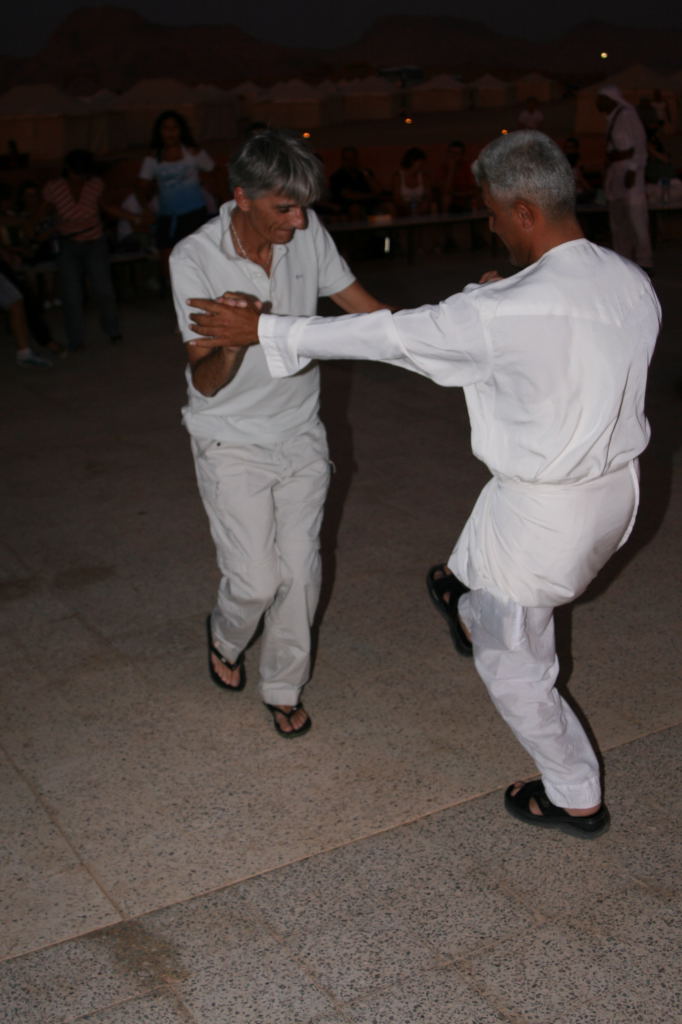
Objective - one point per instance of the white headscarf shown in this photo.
(613, 92)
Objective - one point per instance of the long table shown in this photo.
(391, 228)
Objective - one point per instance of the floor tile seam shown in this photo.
(258, 925)
(160, 989)
(53, 817)
(450, 967)
(543, 918)
(490, 997)
(619, 745)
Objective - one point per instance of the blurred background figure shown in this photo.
(13, 304)
(76, 200)
(584, 191)
(37, 240)
(530, 115)
(661, 109)
(457, 186)
(16, 266)
(412, 191)
(624, 184)
(138, 237)
(354, 190)
(177, 166)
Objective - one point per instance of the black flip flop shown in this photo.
(288, 734)
(447, 585)
(239, 663)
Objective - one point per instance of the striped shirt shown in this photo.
(78, 219)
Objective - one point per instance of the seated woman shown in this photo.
(412, 185)
(176, 165)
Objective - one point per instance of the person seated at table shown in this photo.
(354, 189)
(412, 192)
(16, 270)
(457, 186)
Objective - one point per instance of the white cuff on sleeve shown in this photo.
(278, 336)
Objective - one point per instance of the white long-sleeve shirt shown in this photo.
(553, 363)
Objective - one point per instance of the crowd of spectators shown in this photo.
(57, 237)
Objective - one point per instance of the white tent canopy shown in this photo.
(43, 121)
(292, 104)
(371, 98)
(442, 92)
(489, 91)
(540, 86)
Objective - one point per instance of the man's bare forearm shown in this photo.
(216, 369)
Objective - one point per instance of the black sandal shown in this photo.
(447, 585)
(239, 663)
(551, 816)
(288, 734)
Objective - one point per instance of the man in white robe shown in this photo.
(624, 181)
(553, 363)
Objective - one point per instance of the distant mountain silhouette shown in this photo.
(114, 47)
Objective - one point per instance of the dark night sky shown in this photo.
(289, 23)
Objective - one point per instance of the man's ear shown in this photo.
(526, 214)
(241, 199)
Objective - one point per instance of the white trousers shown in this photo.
(515, 656)
(629, 224)
(265, 506)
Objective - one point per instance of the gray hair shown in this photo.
(527, 165)
(278, 161)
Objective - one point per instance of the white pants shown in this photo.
(264, 506)
(629, 223)
(515, 656)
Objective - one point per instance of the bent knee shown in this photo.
(254, 582)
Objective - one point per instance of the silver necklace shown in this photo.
(239, 246)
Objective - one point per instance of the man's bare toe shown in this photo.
(230, 676)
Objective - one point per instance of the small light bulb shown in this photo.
(603, 55)
(408, 120)
(306, 135)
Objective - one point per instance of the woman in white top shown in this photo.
(176, 165)
(411, 183)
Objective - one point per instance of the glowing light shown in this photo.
(408, 120)
(306, 135)
(505, 131)
(603, 55)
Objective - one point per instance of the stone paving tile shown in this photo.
(356, 956)
(46, 894)
(254, 982)
(547, 974)
(62, 982)
(161, 1007)
(435, 997)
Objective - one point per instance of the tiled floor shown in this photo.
(167, 858)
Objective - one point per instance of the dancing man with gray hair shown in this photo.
(260, 450)
(553, 362)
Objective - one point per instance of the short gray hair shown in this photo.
(274, 160)
(527, 165)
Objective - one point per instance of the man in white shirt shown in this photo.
(553, 363)
(624, 181)
(259, 447)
